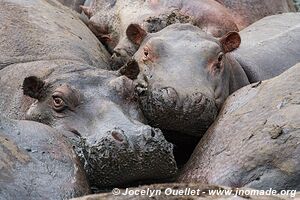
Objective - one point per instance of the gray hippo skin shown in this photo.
(38, 162)
(185, 75)
(203, 193)
(109, 20)
(255, 142)
(100, 109)
(246, 12)
(57, 66)
(73, 4)
(35, 30)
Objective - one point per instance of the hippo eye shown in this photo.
(220, 57)
(58, 104)
(146, 52)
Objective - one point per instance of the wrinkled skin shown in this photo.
(37, 162)
(35, 30)
(255, 140)
(73, 4)
(246, 12)
(100, 109)
(185, 75)
(181, 187)
(109, 20)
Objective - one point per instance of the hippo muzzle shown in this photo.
(167, 109)
(121, 157)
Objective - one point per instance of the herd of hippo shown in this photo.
(97, 94)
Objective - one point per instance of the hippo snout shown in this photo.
(122, 156)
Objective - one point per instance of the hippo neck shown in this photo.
(237, 76)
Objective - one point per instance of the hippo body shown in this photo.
(38, 30)
(270, 46)
(109, 20)
(246, 12)
(38, 162)
(255, 142)
(56, 80)
(187, 74)
(73, 4)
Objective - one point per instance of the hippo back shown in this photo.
(36, 30)
(270, 46)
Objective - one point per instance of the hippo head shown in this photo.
(184, 76)
(100, 108)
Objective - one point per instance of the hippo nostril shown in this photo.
(141, 91)
(153, 133)
(117, 136)
(116, 54)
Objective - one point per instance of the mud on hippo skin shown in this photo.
(99, 107)
(184, 75)
(255, 140)
(38, 162)
(35, 30)
(109, 20)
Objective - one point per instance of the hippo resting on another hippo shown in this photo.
(246, 12)
(255, 142)
(37, 162)
(185, 75)
(109, 20)
(63, 90)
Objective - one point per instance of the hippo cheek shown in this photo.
(121, 158)
(193, 114)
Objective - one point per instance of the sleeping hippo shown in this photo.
(255, 142)
(185, 75)
(50, 74)
(109, 20)
(38, 162)
(246, 12)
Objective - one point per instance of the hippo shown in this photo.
(246, 12)
(99, 108)
(73, 4)
(54, 75)
(255, 140)
(109, 20)
(184, 75)
(38, 162)
(35, 30)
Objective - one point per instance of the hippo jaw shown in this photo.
(165, 108)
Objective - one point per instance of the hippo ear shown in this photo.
(32, 86)
(135, 34)
(230, 41)
(131, 69)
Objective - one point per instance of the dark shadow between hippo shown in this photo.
(99, 107)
